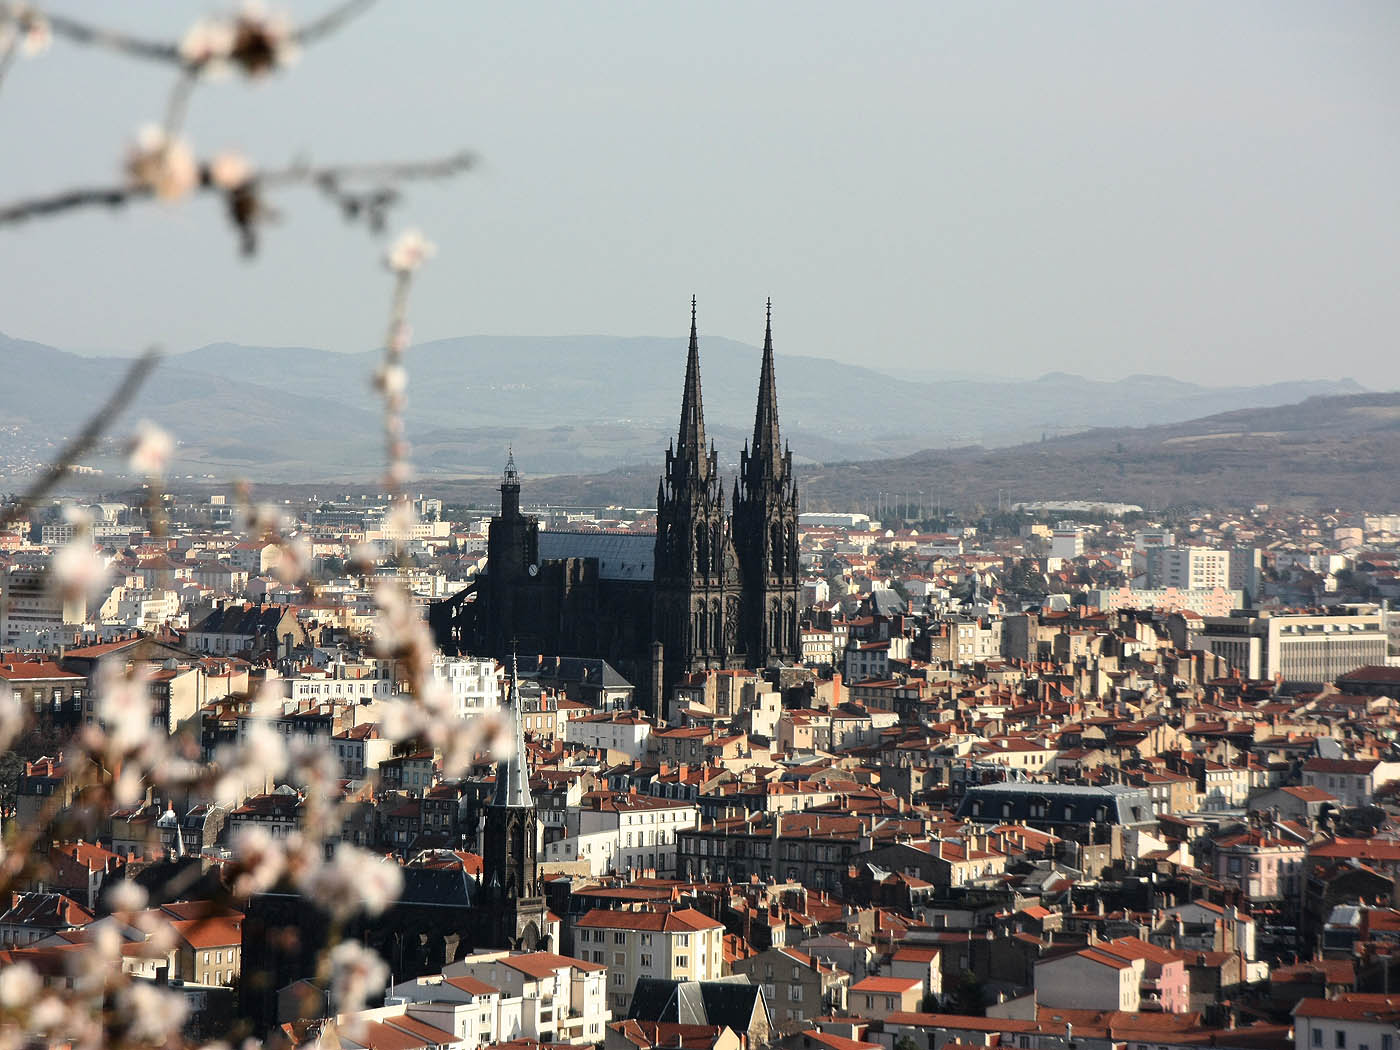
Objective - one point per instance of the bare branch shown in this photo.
(113, 40)
(324, 177)
(86, 439)
(161, 51)
(9, 48)
(331, 21)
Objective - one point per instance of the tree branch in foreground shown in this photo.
(244, 198)
(86, 439)
(80, 32)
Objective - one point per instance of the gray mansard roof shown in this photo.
(621, 555)
(1058, 804)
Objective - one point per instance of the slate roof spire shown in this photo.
(513, 773)
(690, 445)
(767, 448)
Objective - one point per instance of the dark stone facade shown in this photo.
(722, 590)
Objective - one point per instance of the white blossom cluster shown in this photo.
(125, 751)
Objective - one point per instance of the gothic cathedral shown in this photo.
(726, 586)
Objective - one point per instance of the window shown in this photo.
(1341, 1042)
(683, 940)
(619, 937)
(682, 962)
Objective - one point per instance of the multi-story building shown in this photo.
(1067, 543)
(50, 696)
(1265, 867)
(1305, 649)
(797, 986)
(622, 833)
(878, 997)
(811, 848)
(515, 995)
(1188, 568)
(33, 612)
(680, 945)
(1353, 781)
(623, 731)
(1349, 1022)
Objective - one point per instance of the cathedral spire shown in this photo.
(690, 445)
(767, 449)
(513, 773)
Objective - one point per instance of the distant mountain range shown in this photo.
(568, 405)
(1322, 452)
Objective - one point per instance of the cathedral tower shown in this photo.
(765, 528)
(696, 608)
(510, 866)
(512, 550)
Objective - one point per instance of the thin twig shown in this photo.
(86, 439)
(9, 47)
(160, 51)
(113, 40)
(179, 102)
(331, 21)
(117, 196)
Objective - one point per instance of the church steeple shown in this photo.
(513, 773)
(690, 443)
(767, 446)
(695, 610)
(516, 913)
(765, 526)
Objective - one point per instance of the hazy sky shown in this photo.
(1207, 190)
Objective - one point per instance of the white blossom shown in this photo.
(125, 895)
(153, 1014)
(294, 562)
(409, 252)
(356, 974)
(230, 170)
(207, 44)
(353, 880)
(79, 570)
(128, 788)
(262, 861)
(19, 986)
(151, 450)
(48, 1014)
(11, 717)
(35, 33)
(163, 165)
(125, 708)
(392, 380)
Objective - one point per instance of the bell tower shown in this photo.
(696, 608)
(765, 528)
(510, 864)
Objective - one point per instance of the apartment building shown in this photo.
(32, 612)
(1306, 649)
(501, 995)
(797, 986)
(682, 945)
(1188, 568)
(624, 832)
